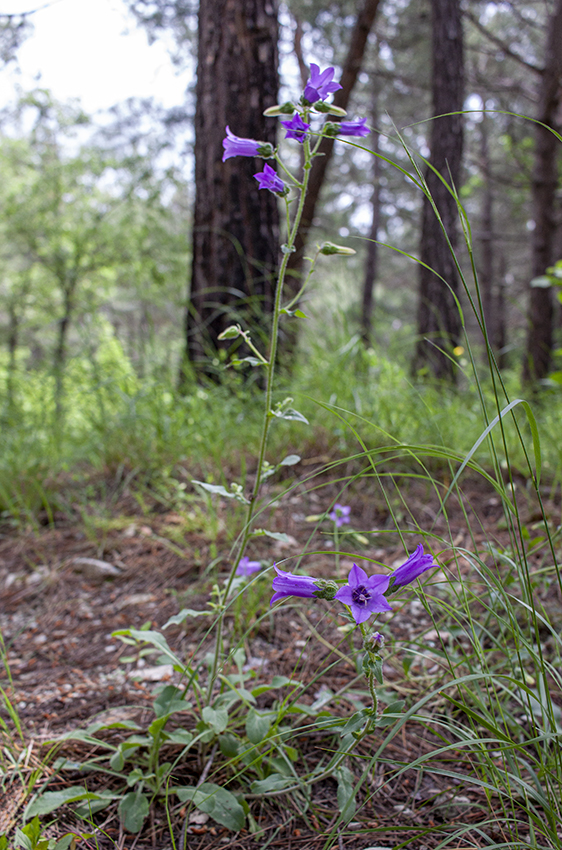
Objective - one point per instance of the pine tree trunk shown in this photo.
(438, 317)
(351, 68)
(486, 271)
(544, 184)
(235, 227)
(372, 256)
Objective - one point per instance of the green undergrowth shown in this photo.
(118, 429)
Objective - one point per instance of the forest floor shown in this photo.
(58, 614)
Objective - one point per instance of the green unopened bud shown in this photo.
(266, 150)
(329, 108)
(280, 109)
(330, 248)
(231, 332)
(373, 642)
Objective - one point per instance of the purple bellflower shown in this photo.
(411, 569)
(353, 128)
(340, 514)
(247, 567)
(236, 146)
(364, 594)
(296, 128)
(287, 584)
(268, 179)
(320, 84)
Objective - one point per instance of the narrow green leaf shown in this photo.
(274, 782)
(51, 800)
(346, 791)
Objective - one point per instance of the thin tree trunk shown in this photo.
(372, 258)
(235, 229)
(351, 68)
(438, 316)
(59, 360)
(544, 184)
(486, 276)
(499, 340)
(13, 339)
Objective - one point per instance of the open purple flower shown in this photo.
(364, 594)
(340, 514)
(411, 569)
(354, 128)
(268, 179)
(287, 584)
(296, 128)
(247, 567)
(320, 84)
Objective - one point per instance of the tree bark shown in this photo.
(487, 235)
(351, 68)
(13, 340)
(438, 317)
(59, 359)
(544, 183)
(235, 228)
(372, 256)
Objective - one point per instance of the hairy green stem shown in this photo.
(268, 414)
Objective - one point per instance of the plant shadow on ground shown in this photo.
(67, 670)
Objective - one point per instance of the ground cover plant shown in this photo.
(425, 678)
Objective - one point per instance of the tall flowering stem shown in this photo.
(268, 413)
(298, 128)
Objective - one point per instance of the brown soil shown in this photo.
(57, 620)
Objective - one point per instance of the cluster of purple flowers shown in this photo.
(319, 85)
(364, 595)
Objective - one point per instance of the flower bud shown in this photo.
(329, 108)
(280, 109)
(330, 248)
(231, 332)
(374, 642)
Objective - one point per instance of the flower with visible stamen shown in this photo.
(320, 84)
(296, 128)
(364, 594)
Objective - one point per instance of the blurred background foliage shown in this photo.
(95, 257)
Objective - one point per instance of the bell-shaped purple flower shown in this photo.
(296, 128)
(411, 569)
(320, 84)
(364, 594)
(354, 128)
(236, 146)
(246, 567)
(268, 179)
(340, 514)
(287, 584)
